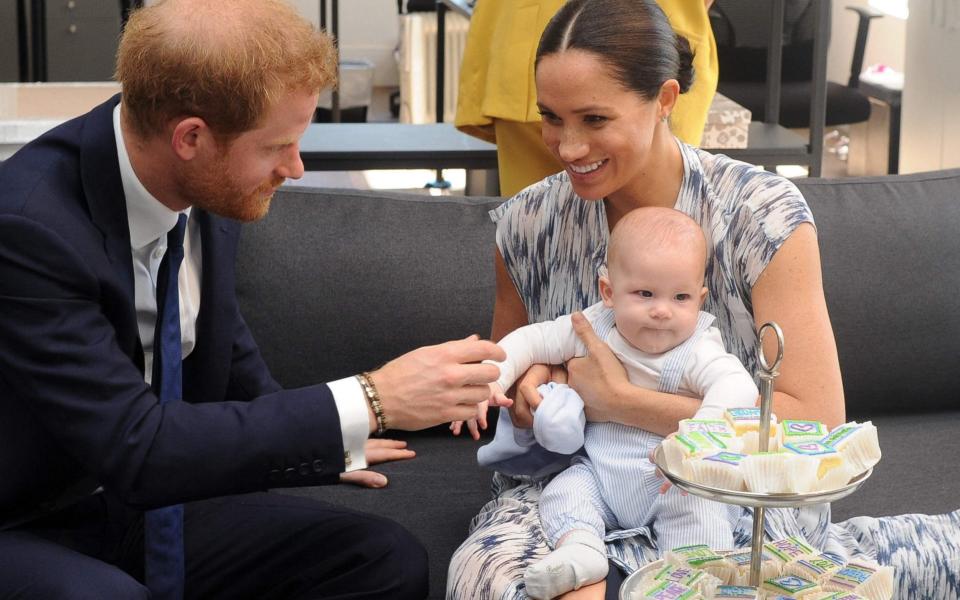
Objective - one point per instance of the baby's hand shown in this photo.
(497, 398)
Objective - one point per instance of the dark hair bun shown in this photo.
(685, 73)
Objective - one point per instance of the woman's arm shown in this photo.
(790, 292)
(509, 313)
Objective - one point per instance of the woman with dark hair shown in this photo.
(497, 97)
(608, 75)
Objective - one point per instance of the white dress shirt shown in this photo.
(149, 221)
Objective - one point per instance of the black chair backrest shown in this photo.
(742, 31)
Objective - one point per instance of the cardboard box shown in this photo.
(728, 124)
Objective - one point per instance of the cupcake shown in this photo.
(720, 470)
(677, 448)
(779, 473)
(702, 582)
(700, 556)
(867, 579)
(746, 425)
(857, 443)
(741, 561)
(815, 567)
(832, 470)
(784, 550)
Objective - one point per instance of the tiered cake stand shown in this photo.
(759, 502)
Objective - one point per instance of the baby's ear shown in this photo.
(606, 291)
(703, 294)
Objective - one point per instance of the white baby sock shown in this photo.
(580, 560)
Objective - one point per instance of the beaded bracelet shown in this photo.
(373, 398)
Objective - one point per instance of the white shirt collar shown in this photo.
(147, 218)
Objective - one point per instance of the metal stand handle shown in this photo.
(767, 374)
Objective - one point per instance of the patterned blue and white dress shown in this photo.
(553, 243)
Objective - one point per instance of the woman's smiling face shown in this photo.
(600, 131)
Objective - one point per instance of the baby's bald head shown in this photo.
(656, 228)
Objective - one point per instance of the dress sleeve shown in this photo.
(770, 209)
(523, 228)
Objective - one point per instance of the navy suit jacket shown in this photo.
(74, 407)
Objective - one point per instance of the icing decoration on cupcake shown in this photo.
(729, 458)
(811, 448)
(698, 442)
(793, 427)
(669, 590)
(789, 548)
(714, 426)
(790, 584)
(745, 592)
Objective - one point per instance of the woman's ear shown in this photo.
(606, 291)
(667, 98)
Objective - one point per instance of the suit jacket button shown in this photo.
(289, 473)
(318, 465)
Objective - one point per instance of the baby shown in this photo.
(650, 318)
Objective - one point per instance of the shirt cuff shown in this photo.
(354, 421)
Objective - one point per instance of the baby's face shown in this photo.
(655, 295)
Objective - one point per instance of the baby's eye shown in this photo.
(682, 297)
(645, 293)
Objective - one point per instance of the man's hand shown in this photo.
(437, 384)
(596, 376)
(527, 396)
(378, 451)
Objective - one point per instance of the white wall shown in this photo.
(885, 44)
(368, 29)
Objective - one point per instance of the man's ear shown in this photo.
(667, 98)
(606, 291)
(189, 137)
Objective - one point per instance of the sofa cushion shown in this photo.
(890, 248)
(333, 282)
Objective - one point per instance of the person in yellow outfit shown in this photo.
(497, 99)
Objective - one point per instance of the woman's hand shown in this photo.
(527, 398)
(599, 376)
(378, 451)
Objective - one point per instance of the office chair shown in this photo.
(741, 29)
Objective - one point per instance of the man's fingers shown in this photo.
(473, 349)
(384, 450)
(584, 330)
(369, 479)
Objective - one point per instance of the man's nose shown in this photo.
(291, 166)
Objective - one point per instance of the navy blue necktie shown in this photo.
(163, 527)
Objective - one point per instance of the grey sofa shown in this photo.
(333, 282)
